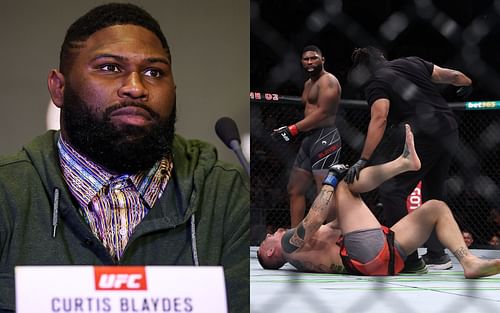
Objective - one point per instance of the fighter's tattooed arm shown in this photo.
(293, 239)
(319, 210)
(296, 237)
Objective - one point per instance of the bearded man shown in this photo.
(116, 185)
(321, 145)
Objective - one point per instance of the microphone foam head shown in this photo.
(226, 129)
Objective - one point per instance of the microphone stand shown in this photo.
(236, 147)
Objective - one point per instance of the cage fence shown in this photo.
(472, 187)
(453, 33)
(457, 34)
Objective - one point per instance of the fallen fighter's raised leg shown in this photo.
(351, 212)
(373, 176)
(414, 229)
(370, 178)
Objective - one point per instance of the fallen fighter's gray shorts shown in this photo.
(365, 245)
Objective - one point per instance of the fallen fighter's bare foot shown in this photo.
(409, 153)
(475, 267)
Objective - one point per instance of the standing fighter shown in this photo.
(403, 91)
(319, 149)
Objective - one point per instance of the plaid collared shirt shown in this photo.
(112, 205)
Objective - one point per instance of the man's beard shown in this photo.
(315, 72)
(125, 149)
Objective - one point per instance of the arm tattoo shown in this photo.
(298, 236)
(319, 210)
(460, 253)
(293, 239)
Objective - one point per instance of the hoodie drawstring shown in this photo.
(192, 229)
(55, 213)
(55, 220)
(193, 241)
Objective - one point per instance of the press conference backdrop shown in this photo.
(210, 52)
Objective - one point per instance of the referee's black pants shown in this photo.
(436, 154)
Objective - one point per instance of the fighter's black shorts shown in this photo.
(319, 150)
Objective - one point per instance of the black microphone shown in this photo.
(228, 132)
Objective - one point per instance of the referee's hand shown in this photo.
(353, 172)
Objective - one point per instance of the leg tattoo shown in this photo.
(406, 152)
(460, 253)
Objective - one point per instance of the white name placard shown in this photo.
(96, 289)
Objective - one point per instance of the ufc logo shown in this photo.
(120, 278)
(285, 137)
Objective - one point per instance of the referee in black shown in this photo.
(403, 91)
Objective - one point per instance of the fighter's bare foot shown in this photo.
(481, 268)
(409, 152)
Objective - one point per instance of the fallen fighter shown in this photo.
(353, 241)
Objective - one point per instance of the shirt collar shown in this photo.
(85, 178)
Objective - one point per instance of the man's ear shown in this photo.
(55, 82)
(270, 252)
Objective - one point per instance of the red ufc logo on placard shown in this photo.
(120, 278)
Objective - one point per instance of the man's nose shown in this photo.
(134, 87)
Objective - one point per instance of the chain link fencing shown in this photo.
(457, 34)
(452, 33)
(474, 177)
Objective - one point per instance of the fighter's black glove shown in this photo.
(285, 133)
(353, 173)
(335, 174)
(464, 91)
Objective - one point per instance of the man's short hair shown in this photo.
(312, 48)
(369, 57)
(101, 17)
(269, 264)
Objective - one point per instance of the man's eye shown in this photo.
(153, 73)
(109, 68)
